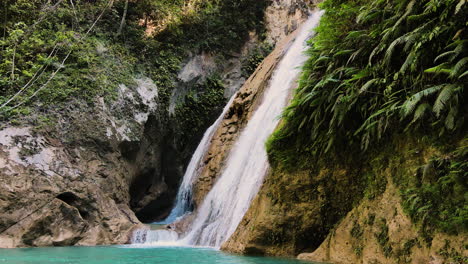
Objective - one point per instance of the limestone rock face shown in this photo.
(294, 211)
(55, 194)
(285, 16)
(73, 178)
(354, 242)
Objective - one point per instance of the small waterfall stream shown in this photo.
(183, 203)
(225, 205)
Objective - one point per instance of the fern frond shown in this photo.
(459, 6)
(410, 40)
(443, 55)
(376, 51)
(442, 68)
(409, 9)
(450, 119)
(465, 74)
(391, 48)
(408, 62)
(457, 69)
(411, 37)
(368, 84)
(420, 111)
(330, 144)
(361, 74)
(343, 52)
(460, 46)
(322, 59)
(354, 55)
(443, 98)
(410, 104)
(356, 34)
(368, 15)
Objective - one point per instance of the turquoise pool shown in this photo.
(130, 255)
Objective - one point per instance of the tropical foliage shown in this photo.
(387, 69)
(438, 200)
(377, 67)
(54, 51)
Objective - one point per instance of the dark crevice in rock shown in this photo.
(159, 165)
(68, 197)
(73, 200)
(129, 149)
(141, 186)
(158, 209)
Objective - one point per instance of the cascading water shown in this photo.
(183, 203)
(225, 205)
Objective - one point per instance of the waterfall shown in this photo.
(227, 202)
(225, 205)
(183, 203)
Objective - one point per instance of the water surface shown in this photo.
(130, 255)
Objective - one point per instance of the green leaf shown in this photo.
(463, 75)
(450, 119)
(420, 111)
(443, 55)
(459, 6)
(442, 68)
(368, 84)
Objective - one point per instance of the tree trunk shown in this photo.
(122, 22)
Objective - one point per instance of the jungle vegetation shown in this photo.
(54, 51)
(379, 71)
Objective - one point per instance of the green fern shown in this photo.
(465, 74)
(420, 112)
(444, 97)
(412, 102)
(459, 6)
(456, 71)
(409, 62)
(445, 54)
(450, 119)
(369, 84)
(391, 48)
(442, 68)
(403, 58)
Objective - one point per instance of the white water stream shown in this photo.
(183, 203)
(226, 204)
